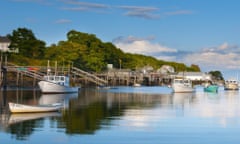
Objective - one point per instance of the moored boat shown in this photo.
(21, 108)
(211, 88)
(182, 85)
(136, 84)
(231, 84)
(56, 84)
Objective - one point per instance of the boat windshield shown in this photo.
(181, 81)
(55, 78)
(231, 81)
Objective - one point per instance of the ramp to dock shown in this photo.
(37, 72)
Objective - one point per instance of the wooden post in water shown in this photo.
(1, 75)
(34, 80)
(17, 81)
(4, 78)
(56, 68)
(4, 71)
(21, 76)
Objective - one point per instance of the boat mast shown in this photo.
(48, 68)
(55, 68)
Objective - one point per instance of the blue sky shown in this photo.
(203, 32)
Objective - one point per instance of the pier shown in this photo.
(29, 75)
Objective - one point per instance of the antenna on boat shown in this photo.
(55, 68)
(63, 67)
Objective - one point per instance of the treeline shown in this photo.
(83, 50)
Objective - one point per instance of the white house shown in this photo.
(194, 75)
(4, 45)
(165, 69)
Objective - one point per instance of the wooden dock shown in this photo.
(30, 75)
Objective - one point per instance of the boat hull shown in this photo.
(182, 86)
(211, 88)
(49, 87)
(20, 108)
(231, 87)
(181, 89)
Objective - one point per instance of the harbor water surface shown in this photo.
(124, 115)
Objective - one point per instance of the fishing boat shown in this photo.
(21, 108)
(231, 84)
(136, 84)
(56, 84)
(211, 88)
(182, 85)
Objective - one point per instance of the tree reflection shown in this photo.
(92, 109)
(22, 130)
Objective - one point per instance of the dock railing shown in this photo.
(37, 72)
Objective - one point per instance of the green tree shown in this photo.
(28, 45)
(216, 75)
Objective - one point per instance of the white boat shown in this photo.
(21, 108)
(182, 85)
(231, 84)
(136, 84)
(56, 84)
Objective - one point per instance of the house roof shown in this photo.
(4, 39)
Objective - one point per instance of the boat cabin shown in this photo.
(231, 82)
(183, 81)
(61, 80)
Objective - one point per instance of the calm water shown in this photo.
(123, 115)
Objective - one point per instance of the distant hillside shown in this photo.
(83, 50)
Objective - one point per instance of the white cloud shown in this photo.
(217, 60)
(179, 12)
(223, 46)
(224, 56)
(43, 2)
(74, 5)
(141, 46)
(62, 21)
(143, 12)
(221, 57)
(166, 58)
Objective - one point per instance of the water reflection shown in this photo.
(183, 98)
(92, 111)
(182, 101)
(57, 98)
(21, 117)
(222, 106)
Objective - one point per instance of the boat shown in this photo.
(21, 108)
(211, 88)
(182, 85)
(136, 84)
(56, 84)
(231, 84)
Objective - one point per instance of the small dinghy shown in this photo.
(21, 108)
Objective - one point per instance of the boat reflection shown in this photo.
(183, 98)
(231, 93)
(21, 117)
(182, 101)
(57, 98)
(21, 126)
